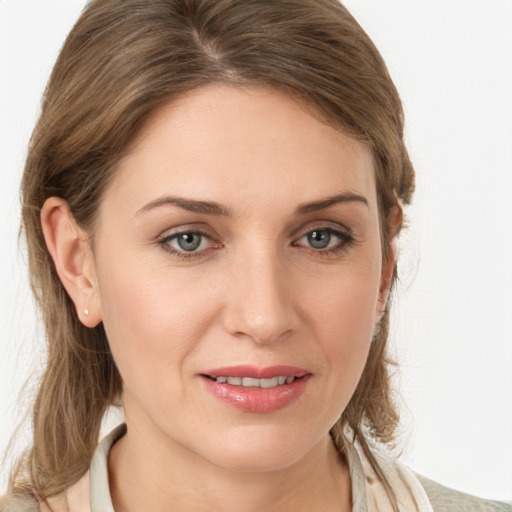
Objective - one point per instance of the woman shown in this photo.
(211, 202)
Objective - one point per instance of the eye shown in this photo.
(189, 242)
(319, 239)
(186, 243)
(324, 239)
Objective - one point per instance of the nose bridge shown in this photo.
(260, 306)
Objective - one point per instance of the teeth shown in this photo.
(268, 383)
(249, 382)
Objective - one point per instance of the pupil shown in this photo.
(189, 241)
(319, 239)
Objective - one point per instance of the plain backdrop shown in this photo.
(452, 326)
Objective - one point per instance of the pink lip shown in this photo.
(252, 399)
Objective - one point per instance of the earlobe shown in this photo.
(70, 250)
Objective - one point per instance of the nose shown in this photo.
(260, 305)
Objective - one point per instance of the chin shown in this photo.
(263, 451)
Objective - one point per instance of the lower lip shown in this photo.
(260, 400)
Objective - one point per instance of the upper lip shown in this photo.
(254, 372)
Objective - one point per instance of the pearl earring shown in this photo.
(86, 312)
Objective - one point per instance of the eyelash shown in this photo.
(346, 240)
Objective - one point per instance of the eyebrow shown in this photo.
(204, 207)
(323, 204)
(216, 209)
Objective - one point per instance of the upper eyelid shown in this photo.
(172, 236)
(190, 228)
(325, 228)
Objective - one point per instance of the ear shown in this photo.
(73, 259)
(394, 223)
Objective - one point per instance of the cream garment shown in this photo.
(91, 493)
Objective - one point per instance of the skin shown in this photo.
(254, 292)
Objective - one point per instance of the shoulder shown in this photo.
(444, 499)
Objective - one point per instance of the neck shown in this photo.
(151, 473)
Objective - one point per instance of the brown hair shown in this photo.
(123, 59)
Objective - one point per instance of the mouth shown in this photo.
(249, 382)
(253, 389)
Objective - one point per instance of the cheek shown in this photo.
(345, 299)
(153, 319)
(342, 314)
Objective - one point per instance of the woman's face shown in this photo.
(239, 239)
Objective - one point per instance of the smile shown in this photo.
(257, 390)
(249, 382)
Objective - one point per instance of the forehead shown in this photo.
(226, 144)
